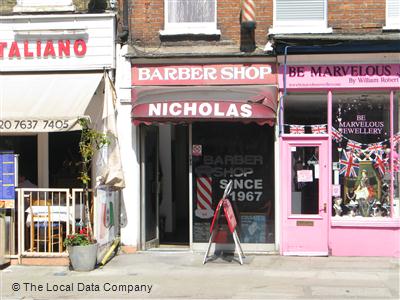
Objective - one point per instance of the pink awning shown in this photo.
(186, 104)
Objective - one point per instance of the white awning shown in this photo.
(45, 102)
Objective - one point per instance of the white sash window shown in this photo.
(392, 14)
(300, 16)
(190, 17)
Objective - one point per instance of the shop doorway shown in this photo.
(165, 186)
(304, 185)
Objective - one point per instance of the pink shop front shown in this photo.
(339, 154)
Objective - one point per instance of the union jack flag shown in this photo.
(336, 135)
(353, 146)
(375, 148)
(297, 129)
(318, 129)
(381, 165)
(349, 165)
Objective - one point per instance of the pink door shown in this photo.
(304, 186)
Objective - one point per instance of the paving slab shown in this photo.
(153, 275)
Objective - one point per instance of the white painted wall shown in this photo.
(130, 152)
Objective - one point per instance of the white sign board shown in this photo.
(62, 42)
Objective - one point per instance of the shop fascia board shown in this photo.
(335, 43)
(340, 58)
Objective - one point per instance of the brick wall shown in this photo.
(147, 19)
(356, 16)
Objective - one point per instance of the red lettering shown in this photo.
(63, 48)
(38, 48)
(2, 46)
(14, 51)
(49, 49)
(27, 53)
(80, 47)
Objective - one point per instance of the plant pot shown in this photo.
(83, 258)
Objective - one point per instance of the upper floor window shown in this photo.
(300, 16)
(392, 14)
(190, 17)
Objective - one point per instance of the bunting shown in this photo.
(297, 129)
(318, 129)
(353, 146)
(336, 135)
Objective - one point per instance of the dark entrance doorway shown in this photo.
(165, 183)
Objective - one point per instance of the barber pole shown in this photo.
(248, 14)
(204, 198)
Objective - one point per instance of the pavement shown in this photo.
(156, 275)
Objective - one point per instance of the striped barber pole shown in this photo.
(204, 197)
(248, 12)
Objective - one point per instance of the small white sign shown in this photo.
(304, 176)
(316, 171)
(336, 190)
(293, 149)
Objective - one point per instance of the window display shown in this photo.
(361, 155)
(245, 154)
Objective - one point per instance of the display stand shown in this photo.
(231, 220)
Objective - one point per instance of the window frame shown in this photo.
(391, 23)
(206, 28)
(306, 26)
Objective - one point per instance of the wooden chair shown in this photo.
(45, 233)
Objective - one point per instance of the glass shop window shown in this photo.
(361, 155)
(245, 154)
(305, 113)
(396, 155)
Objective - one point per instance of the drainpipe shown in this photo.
(124, 34)
(284, 92)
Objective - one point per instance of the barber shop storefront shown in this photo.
(55, 70)
(202, 125)
(339, 165)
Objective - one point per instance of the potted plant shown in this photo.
(82, 250)
(82, 247)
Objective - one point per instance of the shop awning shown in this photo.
(44, 102)
(186, 104)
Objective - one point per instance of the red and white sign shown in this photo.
(202, 110)
(204, 74)
(43, 48)
(64, 42)
(229, 215)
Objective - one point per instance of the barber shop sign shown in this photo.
(204, 74)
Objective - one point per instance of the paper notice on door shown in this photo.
(316, 171)
(304, 176)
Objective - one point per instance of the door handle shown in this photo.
(324, 209)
